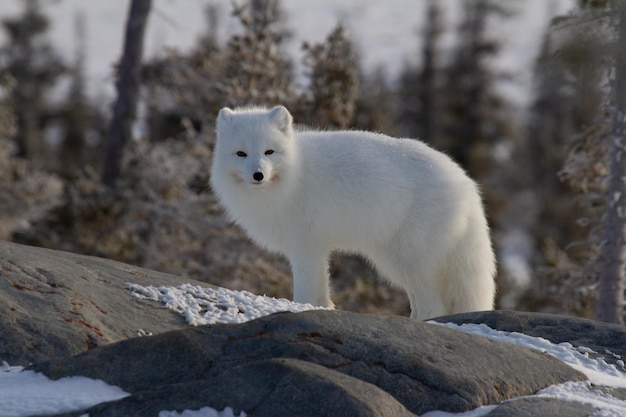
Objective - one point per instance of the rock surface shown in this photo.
(55, 303)
(423, 366)
(276, 387)
(541, 407)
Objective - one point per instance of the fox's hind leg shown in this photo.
(416, 276)
(427, 306)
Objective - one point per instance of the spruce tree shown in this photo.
(76, 112)
(596, 163)
(35, 67)
(420, 110)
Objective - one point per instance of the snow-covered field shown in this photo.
(23, 393)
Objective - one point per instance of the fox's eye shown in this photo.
(241, 154)
(269, 152)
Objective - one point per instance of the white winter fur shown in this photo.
(409, 209)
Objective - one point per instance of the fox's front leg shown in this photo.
(310, 278)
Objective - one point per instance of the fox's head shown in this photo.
(254, 146)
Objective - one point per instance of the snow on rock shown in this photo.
(597, 370)
(201, 305)
(25, 393)
(582, 392)
(478, 412)
(203, 412)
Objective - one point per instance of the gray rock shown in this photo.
(423, 366)
(269, 388)
(606, 340)
(541, 407)
(55, 303)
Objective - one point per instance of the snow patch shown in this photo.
(200, 305)
(25, 393)
(583, 393)
(477, 412)
(203, 412)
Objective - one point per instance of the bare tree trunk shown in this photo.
(613, 253)
(127, 91)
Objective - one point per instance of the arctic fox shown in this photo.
(410, 210)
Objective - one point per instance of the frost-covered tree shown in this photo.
(333, 87)
(567, 95)
(613, 250)
(251, 68)
(257, 71)
(596, 164)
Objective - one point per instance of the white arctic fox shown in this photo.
(412, 211)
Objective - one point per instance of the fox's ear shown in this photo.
(224, 116)
(280, 117)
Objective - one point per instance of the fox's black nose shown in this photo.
(258, 176)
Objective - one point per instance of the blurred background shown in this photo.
(517, 91)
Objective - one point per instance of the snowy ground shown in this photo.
(23, 393)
